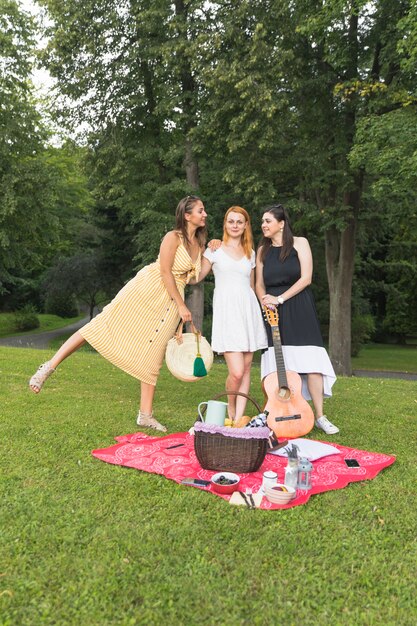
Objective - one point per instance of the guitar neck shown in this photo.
(279, 358)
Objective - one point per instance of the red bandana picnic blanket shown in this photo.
(155, 455)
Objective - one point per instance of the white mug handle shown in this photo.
(199, 412)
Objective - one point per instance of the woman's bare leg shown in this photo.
(315, 387)
(46, 369)
(147, 393)
(145, 417)
(68, 347)
(238, 364)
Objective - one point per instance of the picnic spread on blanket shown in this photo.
(322, 468)
(258, 462)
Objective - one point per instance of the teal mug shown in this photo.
(215, 413)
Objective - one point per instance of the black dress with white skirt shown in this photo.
(302, 343)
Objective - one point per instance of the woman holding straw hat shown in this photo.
(132, 331)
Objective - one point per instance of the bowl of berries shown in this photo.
(225, 482)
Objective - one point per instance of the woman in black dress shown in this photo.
(284, 268)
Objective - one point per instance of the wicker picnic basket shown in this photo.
(237, 451)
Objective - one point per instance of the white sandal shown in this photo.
(148, 420)
(44, 371)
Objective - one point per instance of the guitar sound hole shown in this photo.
(284, 393)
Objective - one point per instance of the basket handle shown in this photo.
(238, 393)
(179, 331)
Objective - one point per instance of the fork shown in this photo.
(248, 492)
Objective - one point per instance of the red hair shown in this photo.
(247, 239)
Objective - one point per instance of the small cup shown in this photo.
(269, 479)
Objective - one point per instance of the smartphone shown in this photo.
(198, 482)
(352, 463)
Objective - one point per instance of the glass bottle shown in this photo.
(291, 473)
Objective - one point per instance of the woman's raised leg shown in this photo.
(46, 369)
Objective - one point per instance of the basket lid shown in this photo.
(261, 432)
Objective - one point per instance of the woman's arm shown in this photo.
(252, 279)
(260, 286)
(306, 265)
(167, 252)
(205, 269)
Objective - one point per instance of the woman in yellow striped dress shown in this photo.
(132, 331)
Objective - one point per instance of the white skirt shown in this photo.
(303, 360)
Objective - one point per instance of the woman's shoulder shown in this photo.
(259, 251)
(173, 235)
(172, 239)
(301, 242)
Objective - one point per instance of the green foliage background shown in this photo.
(308, 103)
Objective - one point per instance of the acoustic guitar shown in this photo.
(289, 414)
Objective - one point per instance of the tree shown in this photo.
(387, 146)
(289, 83)
(21, 138)
(79, 277)
(43, 194)
(254, 101)
(128, 69)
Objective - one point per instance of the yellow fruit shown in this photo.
(242, 421)
(228, 422)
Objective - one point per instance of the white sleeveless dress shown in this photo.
(237, 319)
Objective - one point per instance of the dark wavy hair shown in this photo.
(186, 205)
(280, 213)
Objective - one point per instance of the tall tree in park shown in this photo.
(22, 220)
(127, 66)
(288, 85)
(43, 194)
(273, 93)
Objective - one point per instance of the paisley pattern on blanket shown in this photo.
(158, 455)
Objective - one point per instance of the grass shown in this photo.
(47, 322)
(376, 357)
(85, 542)
(387, 357)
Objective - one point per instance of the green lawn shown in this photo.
(47, 322)
(387, 357)
(85, 542)
(371, 357)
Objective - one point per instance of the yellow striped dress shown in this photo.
(133, 330)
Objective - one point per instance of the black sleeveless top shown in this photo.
(298, 321)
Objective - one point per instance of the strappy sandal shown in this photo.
(148, 420)
(44, 371)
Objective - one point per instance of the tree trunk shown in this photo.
(195, 302)
(340, 265)
(191, 165)
(195, 297)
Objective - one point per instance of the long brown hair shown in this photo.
(280, 213)
(186, 205)
(247, 238)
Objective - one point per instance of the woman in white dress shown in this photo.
(238, 329)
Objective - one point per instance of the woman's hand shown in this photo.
(185, 313)
(214, 244)
(269, 301)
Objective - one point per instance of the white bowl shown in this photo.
(279, 493)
